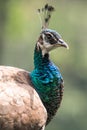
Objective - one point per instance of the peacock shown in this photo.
(29, 100)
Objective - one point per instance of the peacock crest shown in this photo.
(45, 15)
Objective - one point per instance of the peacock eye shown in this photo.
(49, 36)
(50, 39)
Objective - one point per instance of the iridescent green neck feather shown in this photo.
(39, 60)
(47, 81)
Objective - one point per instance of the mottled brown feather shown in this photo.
(20, 105)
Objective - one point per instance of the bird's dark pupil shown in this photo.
(49, 36)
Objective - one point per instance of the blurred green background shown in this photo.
(19, 30)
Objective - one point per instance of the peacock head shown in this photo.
(49, 39)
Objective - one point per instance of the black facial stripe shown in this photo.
(55, 37)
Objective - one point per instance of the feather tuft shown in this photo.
(45, 15)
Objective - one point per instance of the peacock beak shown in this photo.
(62, 43)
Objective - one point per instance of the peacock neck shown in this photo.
(47, 79)
(40, 61)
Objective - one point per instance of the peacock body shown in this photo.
(20, 105)
(28, 101)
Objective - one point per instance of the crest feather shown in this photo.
(46, 12)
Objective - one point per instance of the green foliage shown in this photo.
(20, 32)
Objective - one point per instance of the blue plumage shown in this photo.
(47, 81)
